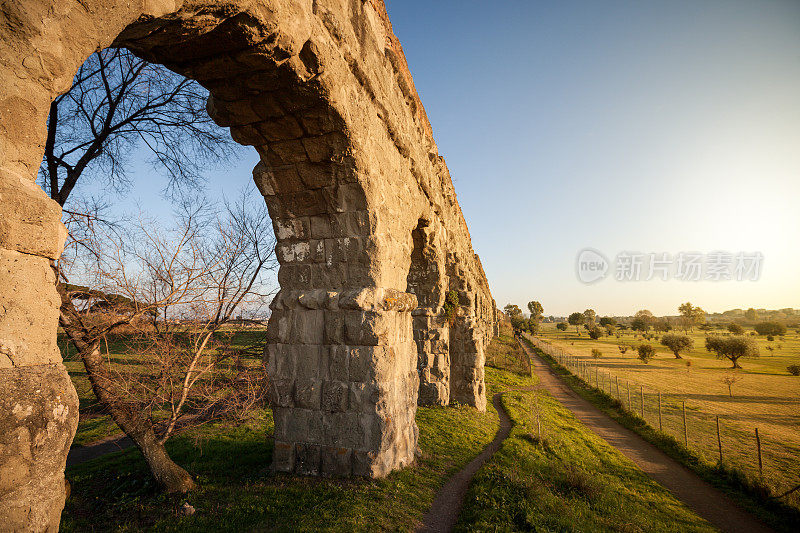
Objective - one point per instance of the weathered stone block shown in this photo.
(336, 461)
(31, 222)
(365, 464)
(308, 326)
(315, 175)
(334, 328)
(338, 363)
(28, 311)
(308, 459)
(280, 129)
(38, 418)
(360, 363)
(283, 456)
(281, 392)
(308, 394)
(335, 396)
(342, 429)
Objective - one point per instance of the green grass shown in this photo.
(238, 491)
(750, 495)
(504, 352)
(570, 480)
(566, 479)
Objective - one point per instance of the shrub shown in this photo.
(451, 306)
(595, 333)
(596, 353)
(736, 329)
(770, 338)
(646, 352)
(794, 370)
(770, 327)
(562, 326)
(622, 348)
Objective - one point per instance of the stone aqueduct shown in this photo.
(370, 234)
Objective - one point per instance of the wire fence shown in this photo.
(716, 438)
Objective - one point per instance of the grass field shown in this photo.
(765, 396)
(570, 480)
(94, 423)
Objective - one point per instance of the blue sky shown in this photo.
(649, 126)
(622, 126)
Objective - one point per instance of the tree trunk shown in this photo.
(170, 476)
(166, 472)
(677, 355)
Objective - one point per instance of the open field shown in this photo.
(570, 480)
(764, 396)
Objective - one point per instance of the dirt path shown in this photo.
(443, 514)
(685, 485)
(98, 448)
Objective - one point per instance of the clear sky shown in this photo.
(643, 126)
(670, 126)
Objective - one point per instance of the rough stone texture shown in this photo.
(39, 410)
(370, 234)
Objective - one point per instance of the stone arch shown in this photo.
(322, 91)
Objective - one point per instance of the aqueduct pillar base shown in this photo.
(343, 381)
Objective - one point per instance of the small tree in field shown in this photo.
(732, 348)
(562, 326)
(595, 333)
(622, 348)
(576, 319)
(646, 352)
(729, 381)
(639, 324)
(597, 354)
(735, 328)
(174, 291)
(677, 343)
(536, 310)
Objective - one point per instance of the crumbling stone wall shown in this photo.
(348, 169)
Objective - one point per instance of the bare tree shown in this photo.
(174, 292)
(117, 104)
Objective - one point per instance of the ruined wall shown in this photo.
(349, 170)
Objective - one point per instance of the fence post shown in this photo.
(617, 387)
(760, 465)
(641, 395)
(719, 441)
(685, 431)
(660, 425)
(629, 396)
